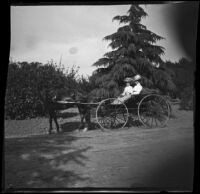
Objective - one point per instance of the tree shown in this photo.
(20, 95)
(133, 52)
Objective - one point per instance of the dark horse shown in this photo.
(50, 100)
(83, 101)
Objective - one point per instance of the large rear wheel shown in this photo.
(153, 111)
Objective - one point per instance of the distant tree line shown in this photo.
(25, 81)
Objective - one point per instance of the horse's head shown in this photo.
(73, 95)
(79, 96)
(50, 95)
(53, 95)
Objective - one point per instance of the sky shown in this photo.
(74, 34)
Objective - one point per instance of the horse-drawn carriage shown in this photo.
(149, 108)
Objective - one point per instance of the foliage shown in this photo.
(133, 52)
(26, 81)
(183, 76)
(187, 100)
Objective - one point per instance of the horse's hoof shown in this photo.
(85, 129)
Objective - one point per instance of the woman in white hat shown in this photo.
(129, 90)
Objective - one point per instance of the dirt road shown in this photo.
(137, 158)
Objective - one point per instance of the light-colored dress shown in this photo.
(128, 92)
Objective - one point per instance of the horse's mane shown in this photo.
(82, 96)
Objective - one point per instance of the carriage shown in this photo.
(149, 109)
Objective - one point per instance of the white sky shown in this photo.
(42, 33)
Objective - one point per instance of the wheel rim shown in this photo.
(153, 111)
(110, 116)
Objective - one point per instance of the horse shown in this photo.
(50, 100)
(84, 106)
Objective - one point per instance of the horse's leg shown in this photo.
(56, 122)
(50, 123)
(82, 117)
(82, 121)
(87, 120)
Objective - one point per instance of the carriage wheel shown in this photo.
(111, 115)
(153, 111)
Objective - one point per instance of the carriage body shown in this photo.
(148, 109)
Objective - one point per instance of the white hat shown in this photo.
(136, 77)
(128, 79)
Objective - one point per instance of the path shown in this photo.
(156, 159)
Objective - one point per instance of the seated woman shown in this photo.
(129, 90)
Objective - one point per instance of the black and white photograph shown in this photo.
(101, 97)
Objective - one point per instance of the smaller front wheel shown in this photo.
(111, 113)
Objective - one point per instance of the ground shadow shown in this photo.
(134, 122)
(65, 115)
(43, 162)
(173, 116)
(94, 126)
(73, 126)
(70, 126)
(174, 175)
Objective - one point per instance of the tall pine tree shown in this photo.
(133, 52)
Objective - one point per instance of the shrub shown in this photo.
(187, 99)
(25, 81)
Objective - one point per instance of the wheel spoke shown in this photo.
(118, 123)
(112, 115)
(151, 121)
(147, 119)
(123, 116)
(156, 122)
(113, 123)
(156, 113)
(117, 118)
(118, 108)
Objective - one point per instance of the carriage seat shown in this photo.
(146, 91)
(136, 98)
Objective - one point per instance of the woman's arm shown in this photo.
(124, 92)
(137, 89)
